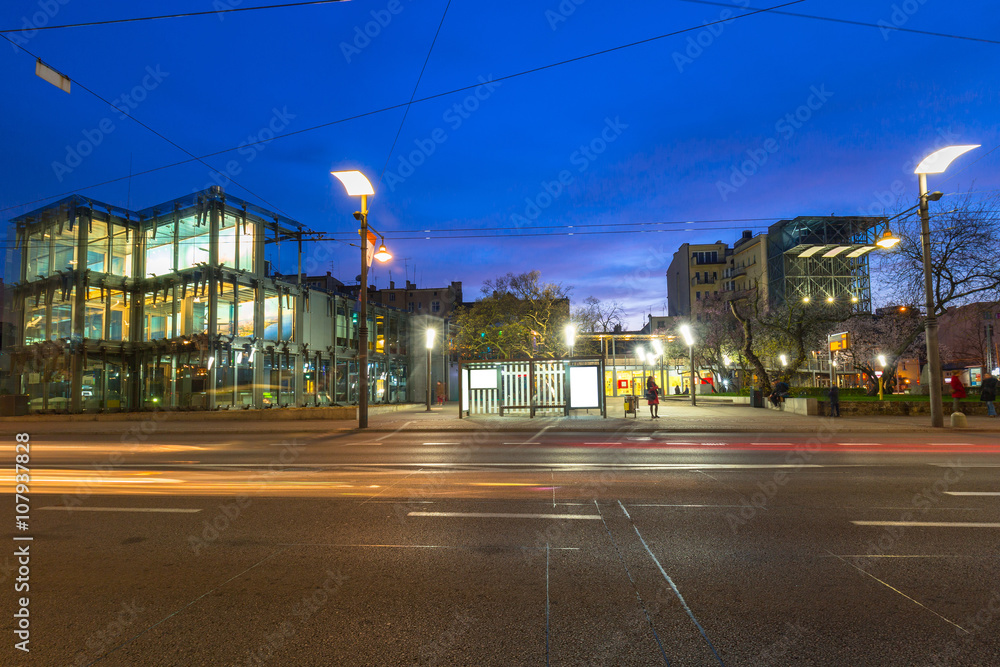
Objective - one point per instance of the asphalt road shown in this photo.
(509, 549)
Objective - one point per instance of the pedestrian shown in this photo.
(439, 393)
(653, 397)
(834, 395)
(989, 394)
(957, 392)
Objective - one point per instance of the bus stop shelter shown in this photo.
(550, 387)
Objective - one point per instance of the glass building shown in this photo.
(173, 307)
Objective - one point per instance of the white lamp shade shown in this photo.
(355, 182)
(938, 161)
(686, 333)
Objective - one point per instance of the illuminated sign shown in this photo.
(839, 341)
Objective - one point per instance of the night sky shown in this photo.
(833, 117)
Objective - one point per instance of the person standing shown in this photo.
(653, 397)
(834, 395)
(957, 392)
(989, 394)
(439, 393)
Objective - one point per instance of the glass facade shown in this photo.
(170, 307)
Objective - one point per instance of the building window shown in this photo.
(419, 305)
(409, 307)
(392, 296)
(697, 296)
(435, 306)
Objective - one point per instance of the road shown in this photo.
(506, 548)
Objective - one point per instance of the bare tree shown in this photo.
(596, 316)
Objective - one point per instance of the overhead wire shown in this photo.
(406, 110)
(426, 98)
(172, 16)
(160, 135)
(880, 26)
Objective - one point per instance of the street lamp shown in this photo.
(358, 186)
(689, 340)
(935, 163)
(570, 331)
(658, 346)
(640, 354)
(881, 377)
(431, 334)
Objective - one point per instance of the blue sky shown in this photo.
(830, 115)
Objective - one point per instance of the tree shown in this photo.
(963, 260)
(517, 316)
(889, 335)
(598, 317)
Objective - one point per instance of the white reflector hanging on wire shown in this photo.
(57, 79)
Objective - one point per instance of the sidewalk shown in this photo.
(675, 417)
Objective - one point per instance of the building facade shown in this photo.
(821, 258)
(696, 273)
(173, 307)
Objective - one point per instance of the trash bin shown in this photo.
(13, 405)
(631, 404)
(757, 398)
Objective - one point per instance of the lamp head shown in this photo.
(688, 336)
(938, 161)
(355, 182)
(383, 255)
(888, 240)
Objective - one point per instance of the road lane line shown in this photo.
(546, 604)
(635, 588)
(506, 515)
(860, 444)
(178, 611)
(898, 591)
(389, 435)
(442, 443)
(928, 524)
(906, 556)
(412, 546)
(676, 590)
(973, 493)
(120, 509)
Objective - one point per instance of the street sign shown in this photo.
(839, 341)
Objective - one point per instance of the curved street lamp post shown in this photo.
(356, 185)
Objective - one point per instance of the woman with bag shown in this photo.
(989, 394)
(653, 396)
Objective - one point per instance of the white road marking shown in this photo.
(361, 444)
(442, 443)
(898, 591)
(973, 493)
(928, 524)
(506, 515)
(860, 444)
(387, 435)
(412, 546)
(603, 443)
(121, 509)
(905, 556)
(773, 444)
(966, 465)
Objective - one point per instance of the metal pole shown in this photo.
(694, 398)
(930, 321)
(428, 379)
(363, 324)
